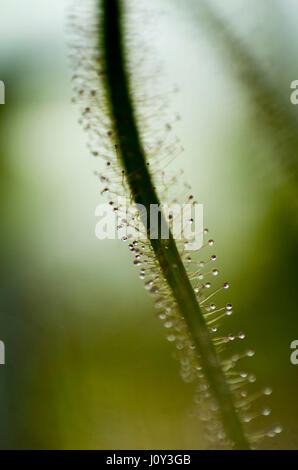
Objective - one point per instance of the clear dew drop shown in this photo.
(277, 429)
(251, 378)
(142, 274)
(247, 418)
(154, 290)
(266, 411)
(162, 316)
(148, 284)
(250, 353)
(171, 338)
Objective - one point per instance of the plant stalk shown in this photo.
(133, 160)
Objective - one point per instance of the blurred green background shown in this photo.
(87, 364)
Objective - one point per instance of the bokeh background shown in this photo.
(87, 364)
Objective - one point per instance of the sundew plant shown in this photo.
(124, 114)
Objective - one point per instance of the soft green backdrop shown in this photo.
(87, 365)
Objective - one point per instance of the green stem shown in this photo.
(134, 162)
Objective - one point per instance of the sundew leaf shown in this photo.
(135, 157)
